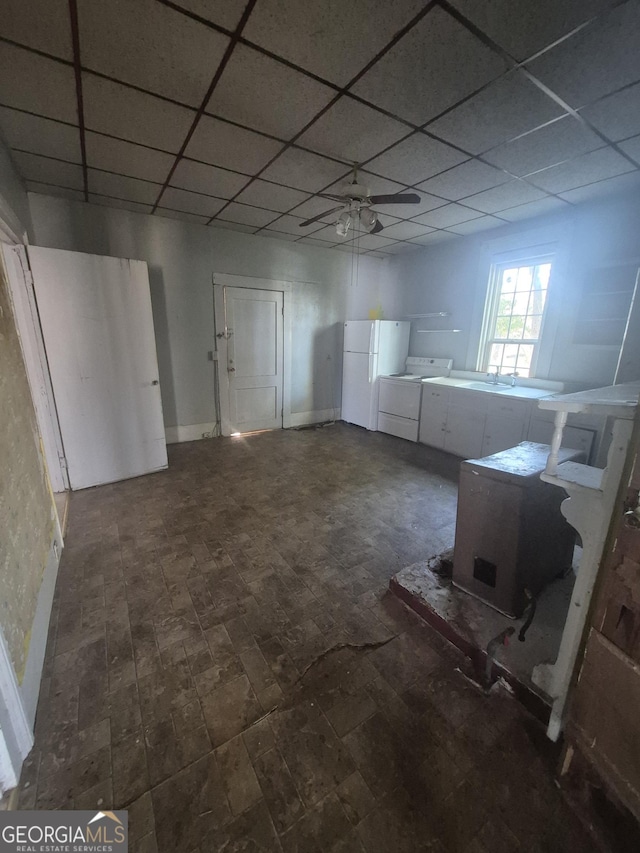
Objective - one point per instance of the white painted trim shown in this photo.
(34, 356)
(317, 416)
(16, 733)
(30, 687)
(8, 778)
(190, 432)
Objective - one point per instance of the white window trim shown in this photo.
(520, 258)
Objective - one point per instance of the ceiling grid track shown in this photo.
(75, 39)
(608, 158)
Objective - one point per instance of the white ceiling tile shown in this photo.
(334, 41)
(433, 66)
(37, 84)
(632, 148)
(126, 158)
(474, 225)
(352, 131)
(42, 24)
(319, 244)
(118, 186)
(506, 195)
(180, 214)
(151, 46)
(371, 241)
(246, 215)
(350, 249)
(554, 143)
(264, 94)
(433, 237)
(619, 184)
(225, 13)
(596, 61)
(231, 147)
(505, 109)
(199, 177)
(522, 27)
(617, 115)
(272, 196)
(315, 206)
(396, 249)
(39, 135)
(120, 111)
(415, 159)
(121, 204)
(470, 177)
(233, 226)
(188, 202)
(450, 214)
(595, 166)
(32, 167)
(534, 208)
(59, 192)
(291, 225)
(279, 235)
(406, 230)
(304, 170)
(327, 234)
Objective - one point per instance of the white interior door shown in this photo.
(97, 327)
(254, 359)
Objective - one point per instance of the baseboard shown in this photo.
(190, 432)
(30, 686)
(318, 416)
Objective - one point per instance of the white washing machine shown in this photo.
(401, 394)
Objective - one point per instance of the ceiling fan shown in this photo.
(356, 204)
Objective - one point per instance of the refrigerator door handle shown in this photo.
(371, 356)
(371, 336)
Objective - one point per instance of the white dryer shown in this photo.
(401, 394)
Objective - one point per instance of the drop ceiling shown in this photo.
(238, 115)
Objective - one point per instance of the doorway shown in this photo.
(250, 317)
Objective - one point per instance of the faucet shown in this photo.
(494, 377)
(513, 378)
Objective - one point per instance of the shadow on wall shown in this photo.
(163, 345)
(326, 365)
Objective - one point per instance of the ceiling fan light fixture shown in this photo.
(344, 223)
(368, 218)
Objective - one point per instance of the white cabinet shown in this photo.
(433, 416)
(506, 425)
(463, 435)
(502, 432)
(452, 421)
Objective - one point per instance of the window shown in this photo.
(514, 315)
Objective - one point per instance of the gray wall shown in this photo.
(182, 257)
(453, 277)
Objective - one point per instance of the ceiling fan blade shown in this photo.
(320, 216)
(377, 228)
(401, 198)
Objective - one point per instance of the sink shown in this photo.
(487, 386)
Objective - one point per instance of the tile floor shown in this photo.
(252, 576)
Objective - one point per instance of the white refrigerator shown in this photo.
(372, 348)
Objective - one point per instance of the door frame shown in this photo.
(25, 310)
(220, 281)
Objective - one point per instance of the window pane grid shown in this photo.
(515, 331)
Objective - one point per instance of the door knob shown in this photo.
(154, 382)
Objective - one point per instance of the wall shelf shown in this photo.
(426, 316)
